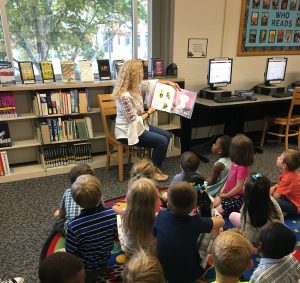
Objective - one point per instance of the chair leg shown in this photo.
(109, 150)
(287, 128)
(298, 137)
(281, 127)
(263, 134)
(120, 162)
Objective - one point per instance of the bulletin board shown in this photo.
(269, 27)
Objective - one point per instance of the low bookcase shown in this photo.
(26, 156)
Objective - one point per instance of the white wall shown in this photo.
(218, 20)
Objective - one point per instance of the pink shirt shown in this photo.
(236, 172)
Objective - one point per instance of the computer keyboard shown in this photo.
(283, 94)
(229, 99)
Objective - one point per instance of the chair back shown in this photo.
(295, 101)
(107, 105)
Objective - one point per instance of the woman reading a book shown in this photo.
(131, 123)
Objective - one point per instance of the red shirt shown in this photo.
(289, 187)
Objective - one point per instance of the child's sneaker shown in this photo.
(13, 280)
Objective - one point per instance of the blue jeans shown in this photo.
(157, 139)
(287, 206)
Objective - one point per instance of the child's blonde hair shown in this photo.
(241, 150)
(182, 197)
(129, 78)
(292, 159)
(86, 191)
(143, 267)
(231, 253)
(143, 168)
(139, 215)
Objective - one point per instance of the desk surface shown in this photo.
(261, 98)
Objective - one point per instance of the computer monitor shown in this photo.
(275, 70)
(219, 72)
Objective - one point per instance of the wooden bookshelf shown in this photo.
(24, 134)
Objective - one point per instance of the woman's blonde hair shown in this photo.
(129, 78)
(139, 215)
(143, 168)
(143, 268)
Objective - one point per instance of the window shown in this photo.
(127, 38)
(139, 40)
(72, 30)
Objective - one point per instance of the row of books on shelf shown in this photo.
(59, 130)
(7, 105)
(68, 68)
(4, 164)
(63, 155)
(62, 102)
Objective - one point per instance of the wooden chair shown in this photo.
(114, 148)
(284, 122)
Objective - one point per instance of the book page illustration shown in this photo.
(183, 103)
(163, 97)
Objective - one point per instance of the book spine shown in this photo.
(2, 173)
(5, 162)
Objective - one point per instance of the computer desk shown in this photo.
(234, 117)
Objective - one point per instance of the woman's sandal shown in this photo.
(159, 176)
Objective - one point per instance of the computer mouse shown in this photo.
(251, 98)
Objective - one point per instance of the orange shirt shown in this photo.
(289, 187)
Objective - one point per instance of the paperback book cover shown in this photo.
(104, 69)
(117, 66)
(145, 68)
(7, 76)
(157, 67)
(181, 102)
(7, 105)
(26, 72)
(47, 71)
(86, 71)
(67, 71)
(5, 140)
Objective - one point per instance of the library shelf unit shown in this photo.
(24, 155)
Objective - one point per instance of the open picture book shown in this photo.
(166, 98)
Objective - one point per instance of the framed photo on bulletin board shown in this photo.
(269, 27)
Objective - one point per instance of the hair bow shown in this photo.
(203, 186)
(256, 176)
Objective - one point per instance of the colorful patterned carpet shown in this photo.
(56, 242)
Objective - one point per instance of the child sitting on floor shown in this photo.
(189, 163)
(231, 197)
(135, 227)
(61, 267)
(177, 234)
(277, 265)
(258, 209)
(143, 168)
(143, 267)
(287, 191)
(68, 209)
(95, 224)
(221, 167)
(231, 256)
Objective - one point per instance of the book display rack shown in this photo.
(56, 125)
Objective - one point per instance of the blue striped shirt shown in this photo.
(91, 236)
